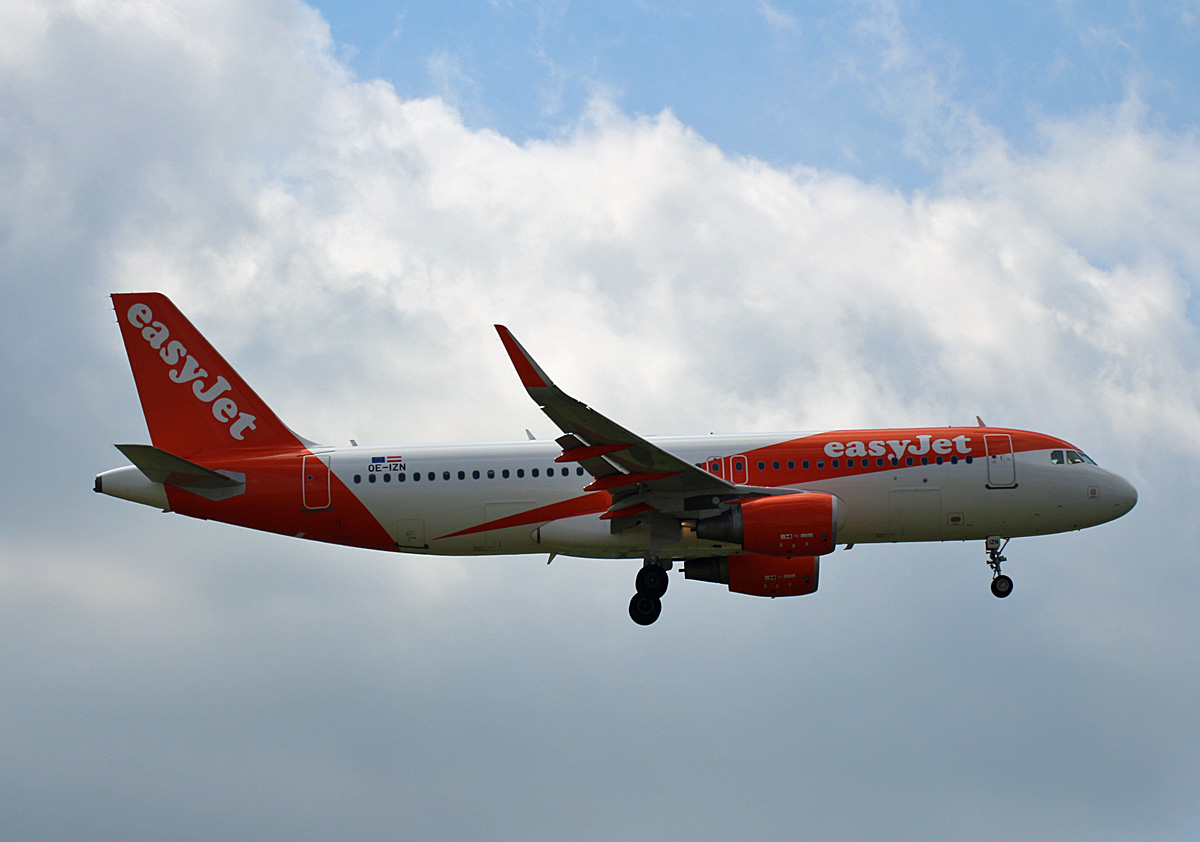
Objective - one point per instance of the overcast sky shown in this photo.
(739, 216)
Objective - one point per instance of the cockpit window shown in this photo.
(1069, 457)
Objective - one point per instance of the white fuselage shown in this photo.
(462, 486)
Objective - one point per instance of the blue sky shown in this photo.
(698, 217)
(828, 85)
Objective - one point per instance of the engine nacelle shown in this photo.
(783, 527)
(757, 575)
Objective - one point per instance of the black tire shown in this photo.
(644, 610)
(1001, 586)
(652, 580)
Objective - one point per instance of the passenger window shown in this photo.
(504, 473)
(462, 474)
(474, 474)
(579, 472)
(445, 475)
(416, 476)
(387, 477)
(820, 463)
(791, 465)
(805, 464)
(432, 476)
(534, 472)
(400, 477)
(762, 466)
(491, 473)
(357, 479)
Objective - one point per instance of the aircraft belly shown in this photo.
(589, 537)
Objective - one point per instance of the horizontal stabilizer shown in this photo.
(160, 466)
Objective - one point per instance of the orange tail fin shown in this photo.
(194, 402)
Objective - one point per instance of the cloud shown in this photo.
(778, 19)
(849, 302)
(348, 250)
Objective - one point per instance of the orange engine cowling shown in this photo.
(757, 575)
(783, 527)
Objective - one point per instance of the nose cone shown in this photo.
(1122, 494)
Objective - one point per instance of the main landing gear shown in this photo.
(1001, 585)
(646, 604)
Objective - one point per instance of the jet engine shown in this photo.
(782, 527)
(757, 575)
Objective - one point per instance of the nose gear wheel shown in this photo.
(1001, 585)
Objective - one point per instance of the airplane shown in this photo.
(753, 512)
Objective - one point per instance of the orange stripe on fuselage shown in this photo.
(857, 452)
(273, 502)
(588, 504)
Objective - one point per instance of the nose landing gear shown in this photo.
(646, 604)
(1001, 585)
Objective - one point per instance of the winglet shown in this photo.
(532, 376)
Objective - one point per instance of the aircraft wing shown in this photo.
(640, 475)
